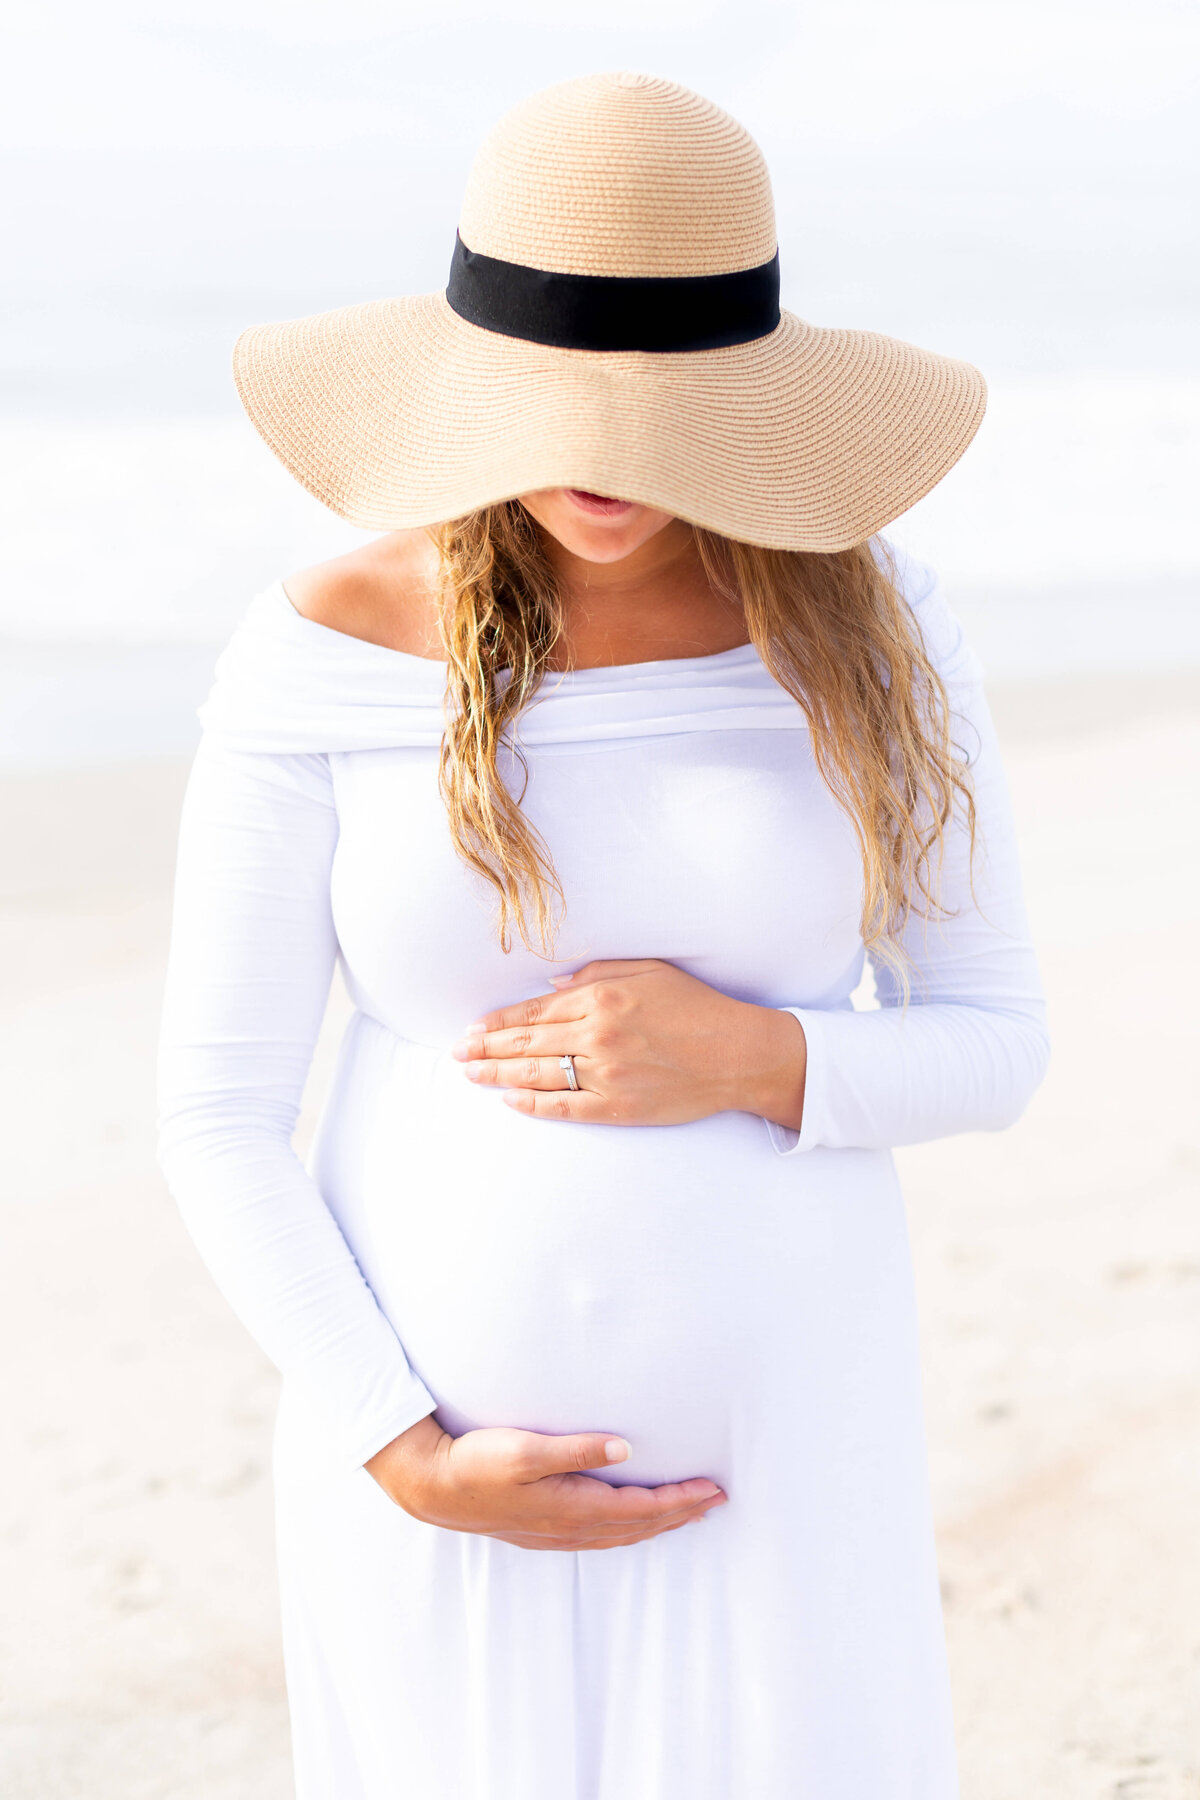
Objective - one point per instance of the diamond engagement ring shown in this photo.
(568, 1063)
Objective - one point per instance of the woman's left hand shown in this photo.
(652, 1046)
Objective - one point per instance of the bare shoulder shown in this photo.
(384, 592)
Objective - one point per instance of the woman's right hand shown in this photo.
(528, 1488)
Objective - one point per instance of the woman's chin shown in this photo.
(598, 528)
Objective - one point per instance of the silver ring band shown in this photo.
(568, 1063)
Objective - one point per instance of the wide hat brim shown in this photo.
(399, 413)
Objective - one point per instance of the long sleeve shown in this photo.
(253, 949)
(972, 1046)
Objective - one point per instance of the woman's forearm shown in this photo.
(770, 1064)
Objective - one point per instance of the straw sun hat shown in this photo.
(611, 323)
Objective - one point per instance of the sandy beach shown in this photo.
(1058, 1269)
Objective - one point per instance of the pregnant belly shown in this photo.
(561, 1277)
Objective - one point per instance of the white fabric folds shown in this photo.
(285, 684)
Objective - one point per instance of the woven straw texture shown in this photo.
(399, 413)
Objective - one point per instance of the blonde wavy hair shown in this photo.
(832, 628)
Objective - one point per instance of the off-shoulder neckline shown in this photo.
(430, 666)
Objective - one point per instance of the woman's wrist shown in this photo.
(402, 1466)
(772, 1074)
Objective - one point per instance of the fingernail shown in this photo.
(618, 1450)
(473, 1071)
(476, 1025)
(461, 1050)
(561, 980)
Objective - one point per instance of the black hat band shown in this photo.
(614, 312)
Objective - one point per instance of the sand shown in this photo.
(1058, 1268)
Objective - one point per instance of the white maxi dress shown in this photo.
(734, 1298)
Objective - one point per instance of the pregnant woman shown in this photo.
(601, 773)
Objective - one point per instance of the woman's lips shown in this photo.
(599, 503)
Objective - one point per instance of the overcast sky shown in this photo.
(1096, 80)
